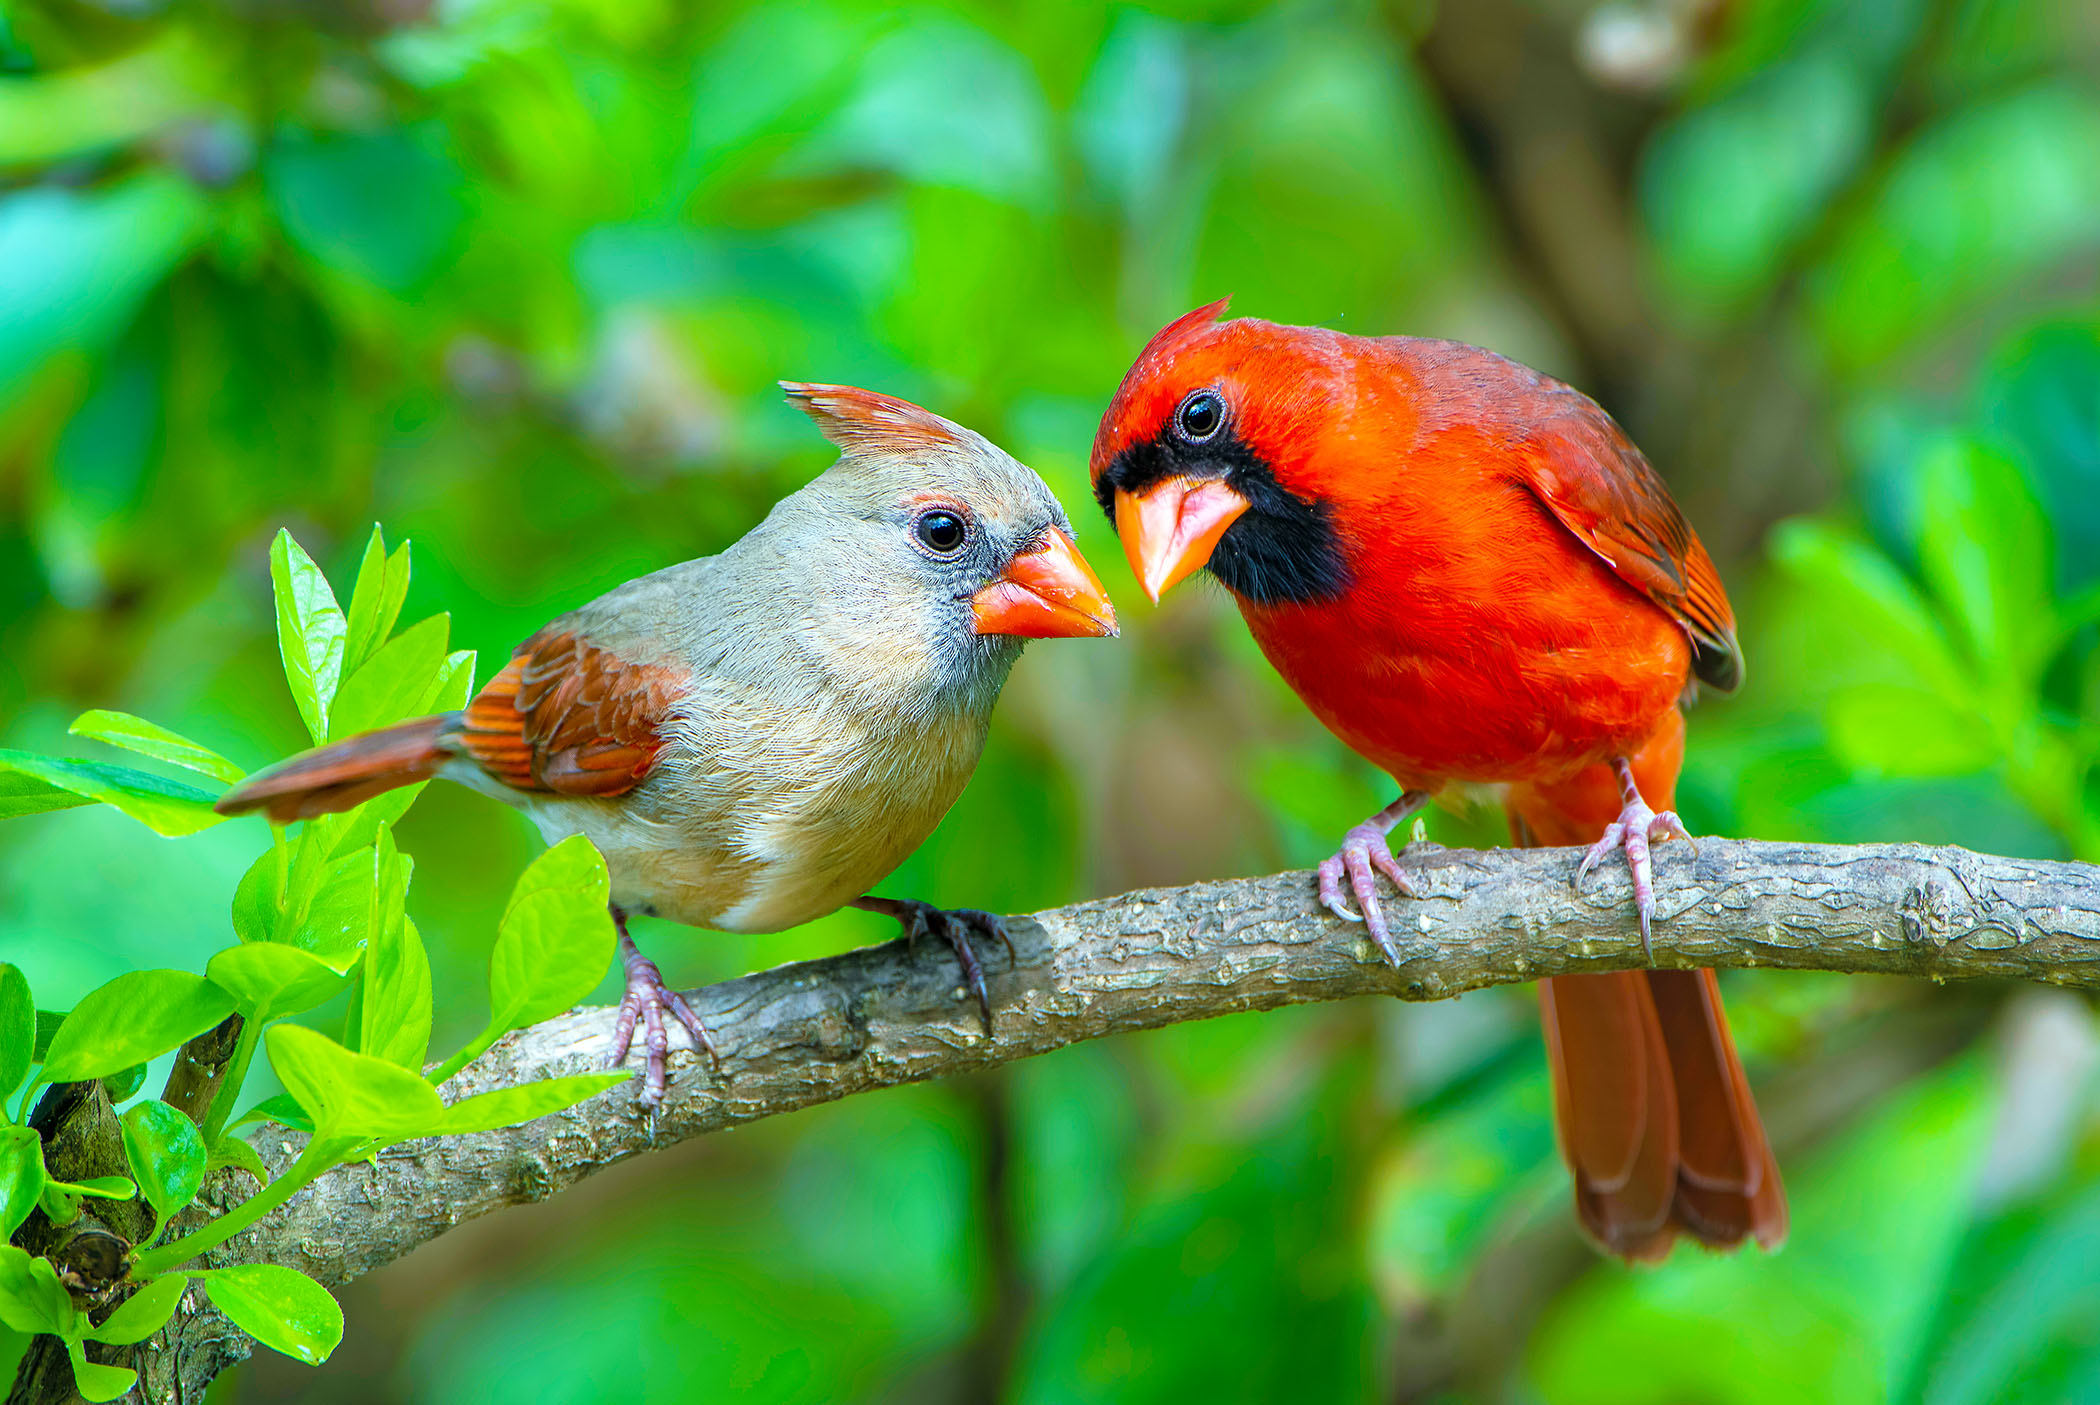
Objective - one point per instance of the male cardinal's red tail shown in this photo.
(344, 773)
(1656, 1119)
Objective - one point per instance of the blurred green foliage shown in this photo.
(515, 277)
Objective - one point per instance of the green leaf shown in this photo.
(268, 980)
(17, 1031)
(47, 1023)
(353, 1035)
(166, 1154)
(394, 1020)
(353, 1096)
(1984, 547)
(259, 898)
(238, 1153)
(556, 937)
(97, 1382)
(552, 945)
(384, 1034)
(281, 1108)
(143, 1313)
(101, 1187)
(22, 794)
(136, 1017)
(375, 602)
(31, 784)
(453, 685)
(507, 1107)
(359, 828)
(31, 1299)
(310, 631)
(301, 896)
(393, 682)
(59, 1203)
(21, 1176)
(1852, 580)
(279, 1307)
(145, 738)
(119, 1086)
(363, 632)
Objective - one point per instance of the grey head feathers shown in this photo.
(851, 591)
(915, 518)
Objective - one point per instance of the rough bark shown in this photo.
(867, 1019)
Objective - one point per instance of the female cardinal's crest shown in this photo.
(867, 421)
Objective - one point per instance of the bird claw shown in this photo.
(1632, 833)
(646, 1003)
(955, 924)
(1339, 908)
(1363, 856)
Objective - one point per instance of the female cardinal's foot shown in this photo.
(1363, 856)
(954, 923)
(647, 1000)
(1636, 827)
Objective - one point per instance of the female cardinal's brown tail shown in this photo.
(345, 773)
(1656, 1119)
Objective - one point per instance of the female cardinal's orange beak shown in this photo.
(1170, 530)
(1047, 593)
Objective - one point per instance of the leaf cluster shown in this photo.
(321, 913)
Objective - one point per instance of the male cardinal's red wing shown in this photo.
(568, 717)
(1591, 477)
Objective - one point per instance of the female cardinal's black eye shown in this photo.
(941, 531)
(1200, 416)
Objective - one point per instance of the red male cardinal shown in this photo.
(753, 739)
(1470, 574)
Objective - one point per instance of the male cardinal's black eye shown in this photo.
(941, 531)
(1200, 416)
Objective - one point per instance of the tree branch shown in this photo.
(877, 1017)
(200, 1069)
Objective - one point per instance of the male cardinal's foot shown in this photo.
(1363, 856)
(1635, 828)
(954, 923)
(647, 1000)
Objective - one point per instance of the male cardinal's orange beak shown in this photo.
(1047, 593)
(1170, 530)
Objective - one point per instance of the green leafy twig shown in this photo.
(319, 913)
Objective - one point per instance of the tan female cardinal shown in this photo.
(754, 739)
(1471, 575)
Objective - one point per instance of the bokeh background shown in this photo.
(516, 277)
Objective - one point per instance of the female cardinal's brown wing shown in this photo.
(568, 717)
(1586, 471)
